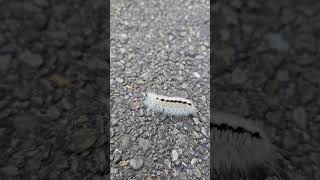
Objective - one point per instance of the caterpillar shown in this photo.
(172, 106)
(240, 149)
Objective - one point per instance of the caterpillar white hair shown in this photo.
(240, 149)
(172, 106)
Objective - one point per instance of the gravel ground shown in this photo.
(53, 118)
(159, 46)
(53, 94)
(265, 68)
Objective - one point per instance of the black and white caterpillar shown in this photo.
(172, 106)
(241, 149)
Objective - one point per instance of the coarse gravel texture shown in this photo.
(53, 93)
(159, 46)
(265, 67)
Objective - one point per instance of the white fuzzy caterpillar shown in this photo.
(239, 148)
(172, 106)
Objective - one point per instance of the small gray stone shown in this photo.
(171, 37)
(119, 80)
(124, 36)
(199, 57)
(300, 117)
(140, 81)
(196, 74)
(116, 157)
(193, 161)
(184, 33)
(175, 131)
(204, 131)
(196, 120)
(197, 172)
(174, 155)
(277, 42)
(136, 163)
(122, 50)
(111, 132)
(114, 121)
(125, 142)
(53, 113)
(144, 143)
(33, 60)
(113, 170)
(82, 140)
(181, 139)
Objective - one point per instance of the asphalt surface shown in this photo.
(162, 47)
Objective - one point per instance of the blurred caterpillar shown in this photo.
(239, 149)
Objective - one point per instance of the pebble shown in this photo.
(277, 42)
(136, 163)
(183, 33)
(204, 131)
(300, 117)
(122, 50)
(175, 131)
(125, 142)
(114, 121)
(111, 132)
(116, 157)
(196, 74)
(197, 172)
(53, 113)
(196, 121)
(174, 155)
(194, 161)
(171, 37)
(119, 80)
(82, 140)
(33, 60)
(124, 36)
(144, 143)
